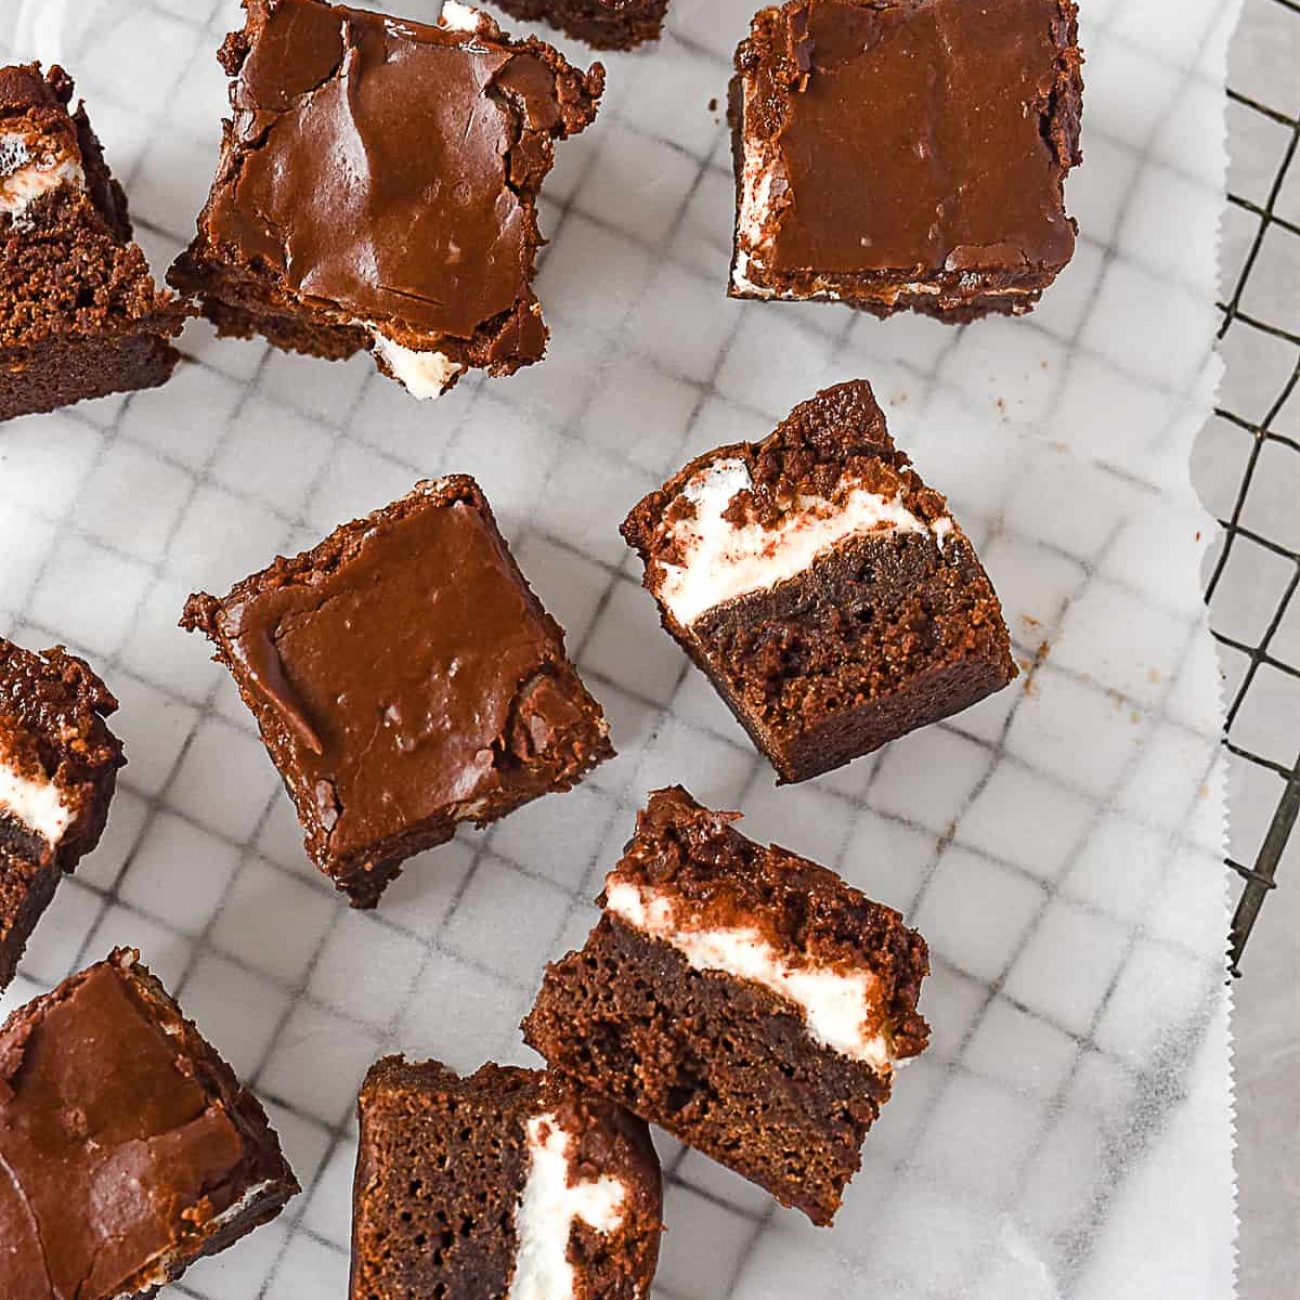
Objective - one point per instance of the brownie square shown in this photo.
(405, 679)
(378, 188)
(510, 1182)
(129, 1148)
(605, 24)
(80, 315)
(745, 999)
(58, 770)
(906, 153)
(825, 591)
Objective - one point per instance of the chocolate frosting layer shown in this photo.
(408, 677)
(388, 168)
(918, 135)
(111, 1150)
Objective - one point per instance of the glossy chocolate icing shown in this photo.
(116, 1152)
(412, 680)
(382, 175)
(917, 138)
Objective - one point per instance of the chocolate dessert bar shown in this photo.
(405, 679)
(508, 1183)
(80, 315)
(128, 1146)
(745, 999)
(378, 188)
(605, 24)
(906, 153)
(826, 592)
(58, 771)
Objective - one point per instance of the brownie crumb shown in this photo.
(80, 315)
(890, 625)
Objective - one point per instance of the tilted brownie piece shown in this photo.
(405, 679)
(745, 999)
(606, 24)
(129, 1148)
(80, 315)
(906, 153)
(822, 587)
(58, 771)
(511, 1183)
(378, 188)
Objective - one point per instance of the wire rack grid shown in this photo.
(1260, 337)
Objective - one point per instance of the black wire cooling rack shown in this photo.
(1271, 452)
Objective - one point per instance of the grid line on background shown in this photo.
(1268, 220)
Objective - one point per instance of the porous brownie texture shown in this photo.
(80, 315)
(130, 1148)
(881, 633)
(895, 154)
(604, 24)
(442, 1165)
(404, 678)
(423, 248)
(52, 735)
(724, 1064)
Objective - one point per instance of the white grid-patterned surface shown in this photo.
(1060, 845)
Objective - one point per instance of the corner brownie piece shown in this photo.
(509, 1183)
(80, 315)
(129, 1148)
(378, 188)
(606, 24)
(906, 153)
(745, 999)
(58, 771)
(405, 679)
(821, 586)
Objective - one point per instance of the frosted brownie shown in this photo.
(745, 999)
(405, 679)
(824, 589)
(80, 315)
(129, 1148)
(378, 188)
(606, 24)
(906, 153)
(510, 1183)
(58, 770)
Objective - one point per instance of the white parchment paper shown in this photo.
(1069, 1133)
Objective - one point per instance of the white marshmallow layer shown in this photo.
(549, 1208)
(836, 1005)
(457, 17)
(423, 374)
(722, 560)
(24, 179)
(37, 804)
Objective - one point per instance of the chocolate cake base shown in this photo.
(604, 24)
(882, 636)
(26, 890)
(442, 1167)
(80, 315)
(724, 1067)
